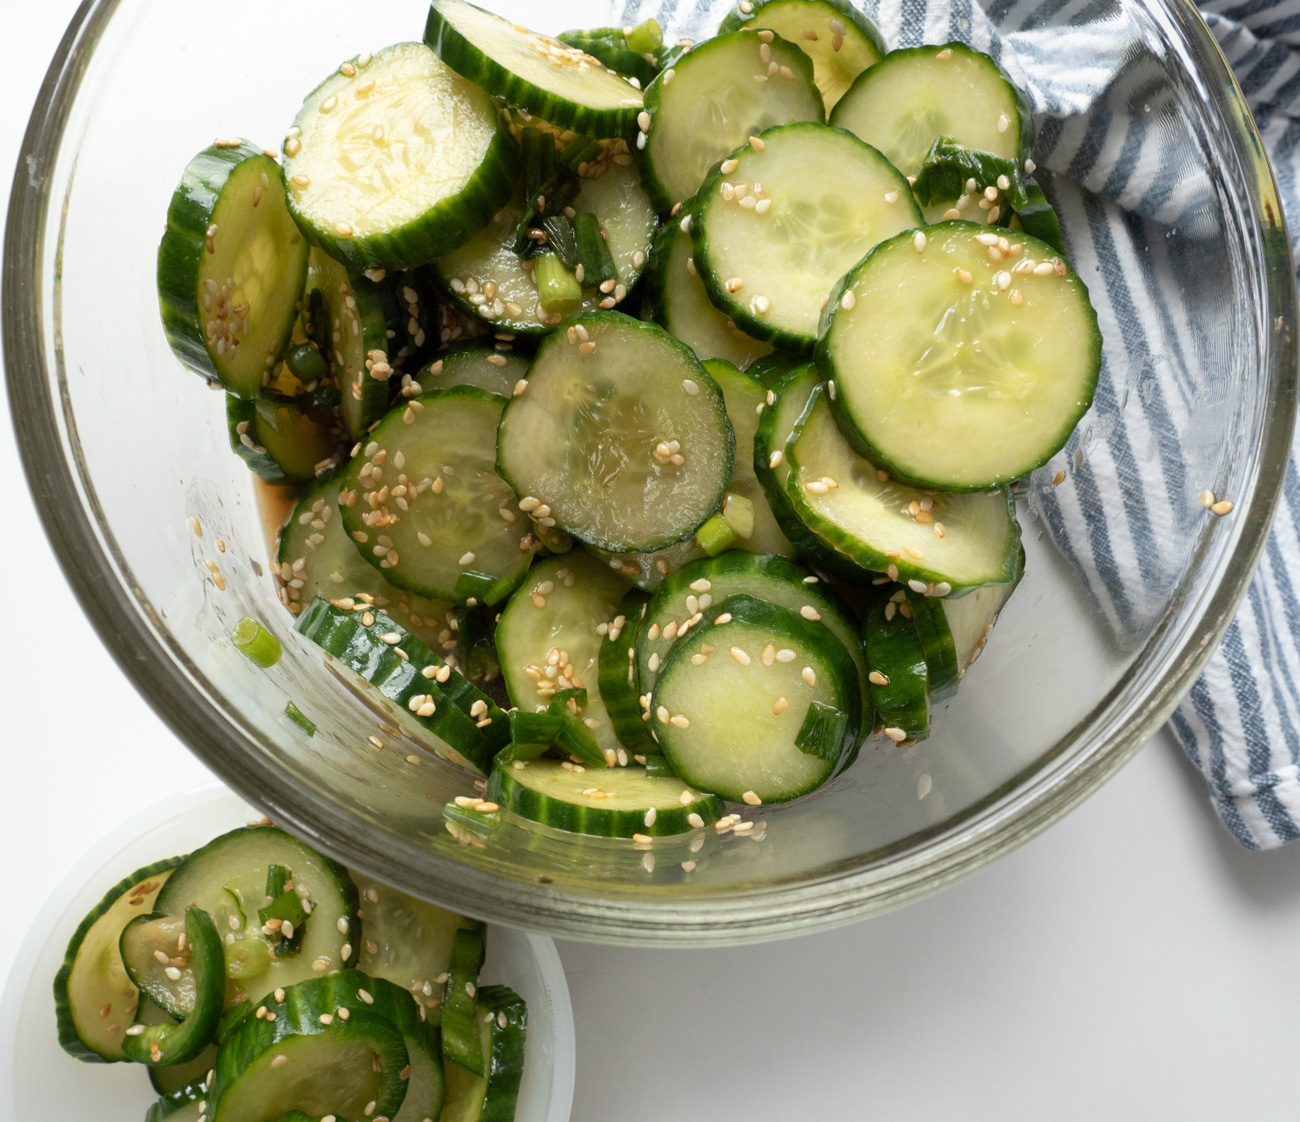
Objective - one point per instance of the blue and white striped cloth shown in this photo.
(1103, 108)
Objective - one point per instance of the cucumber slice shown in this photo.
(227, 878)
(971, 619)
(950, 169)
(151, 946)
(1037, 218)
(621, 804)
(349, 1066)
(771, 368)
(408, 942)
(230, 267)
(183, 1083)
(827, 198)
(900, 688)
(460, 1040)
(533, 72)
(358, 314)
(552, 623)
(317, 559)
(611, 405)
(395, 159)
(427, 696)
(483, 367)
(612, 51)
(502, 1020)
(94, 997)
(487, 278)
(976, 333)
(679, 303)
(618, 687)
(872, 522)
(647, 571)
(910, 97)
(194, 1110)
(453, 516)
(169, 1044)
(745, 399)
(935, 637)
(729, 704)
(839, 39)
(715, 96)
(690, 597)
(278, 439)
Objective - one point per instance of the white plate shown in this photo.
(38, 1080)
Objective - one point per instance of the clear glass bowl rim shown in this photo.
(1023, 807)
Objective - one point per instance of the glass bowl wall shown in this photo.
(123, 448)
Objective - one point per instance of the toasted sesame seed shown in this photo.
(1222, 507)
(752, 799)
(690, 386)
(944, 55)
(918, 241)
(809, 612)
(895, 734)
(740, 656)
(809, 675)
(1004, 123)
(343, 229)
(757, 144)
(1207, 497)
(781, 706)
(848, 299)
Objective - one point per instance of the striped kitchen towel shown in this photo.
(1105, 116)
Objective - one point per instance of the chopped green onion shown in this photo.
(739, 513)
(558, 290)
(475, 586)
(593, 252)
(645, 38)
(277, 878)
(822, 732)
(300, 719)
(252, 639)
(716, 536)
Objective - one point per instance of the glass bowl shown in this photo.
(123, 449)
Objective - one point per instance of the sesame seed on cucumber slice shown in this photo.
(475, 365)
(230, 267)
(395, 159)
(501, 1018)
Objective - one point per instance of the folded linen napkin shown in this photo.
(1123, 517)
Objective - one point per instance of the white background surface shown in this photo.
(1132, 963)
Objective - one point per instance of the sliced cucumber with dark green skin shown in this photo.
(690, 598)
(551, 627)
(95, 1000)
(168, 1044)
(971, 619)
(770, 261)
(646, 571)
(227, 878)
(303, 1053)
(230, 267)
(745, 399)
(423, 1074)
(424, 503)
(729, 703)
(487, 278)
(911, 96)
(191, 1110)
(1037, 218)
(613, 52)
(621, 434)
(182, 1083)
(408, 942)
(358, 315)
(426, 696)
(618, 804)
(160, 964)
(839, 39)
(395, 159)
(483, 367)
(944, 541)
(533, 72)
(931, 623)
(715, 96)
(618, 686)
(502, 1021)
(279, 440)
(950, 169)
(317, 558)
(678, 302)
(460, 1038)
(900, 689)
(941, 337)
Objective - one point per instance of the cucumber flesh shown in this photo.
(900, 688)
(827, 199)
(729, 704)
(279, 439)
(227, 878)
(487, 278)
(502, 1022)
(872, 522)
(533, 72)
(231, 267)
(715, 96)
(551, 624)
(839, 39)
(971, 619)
(94, 997)
(395, 159)
(151, 945)
(902, 103)
(453, 514)
(978, 332)
(483, 367)
(617, 804)
(591, 438)
(647, 571)
(190, 1111)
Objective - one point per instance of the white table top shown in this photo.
(1131, 963)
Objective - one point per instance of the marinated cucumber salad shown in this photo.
(655, 410)
(258, 981)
